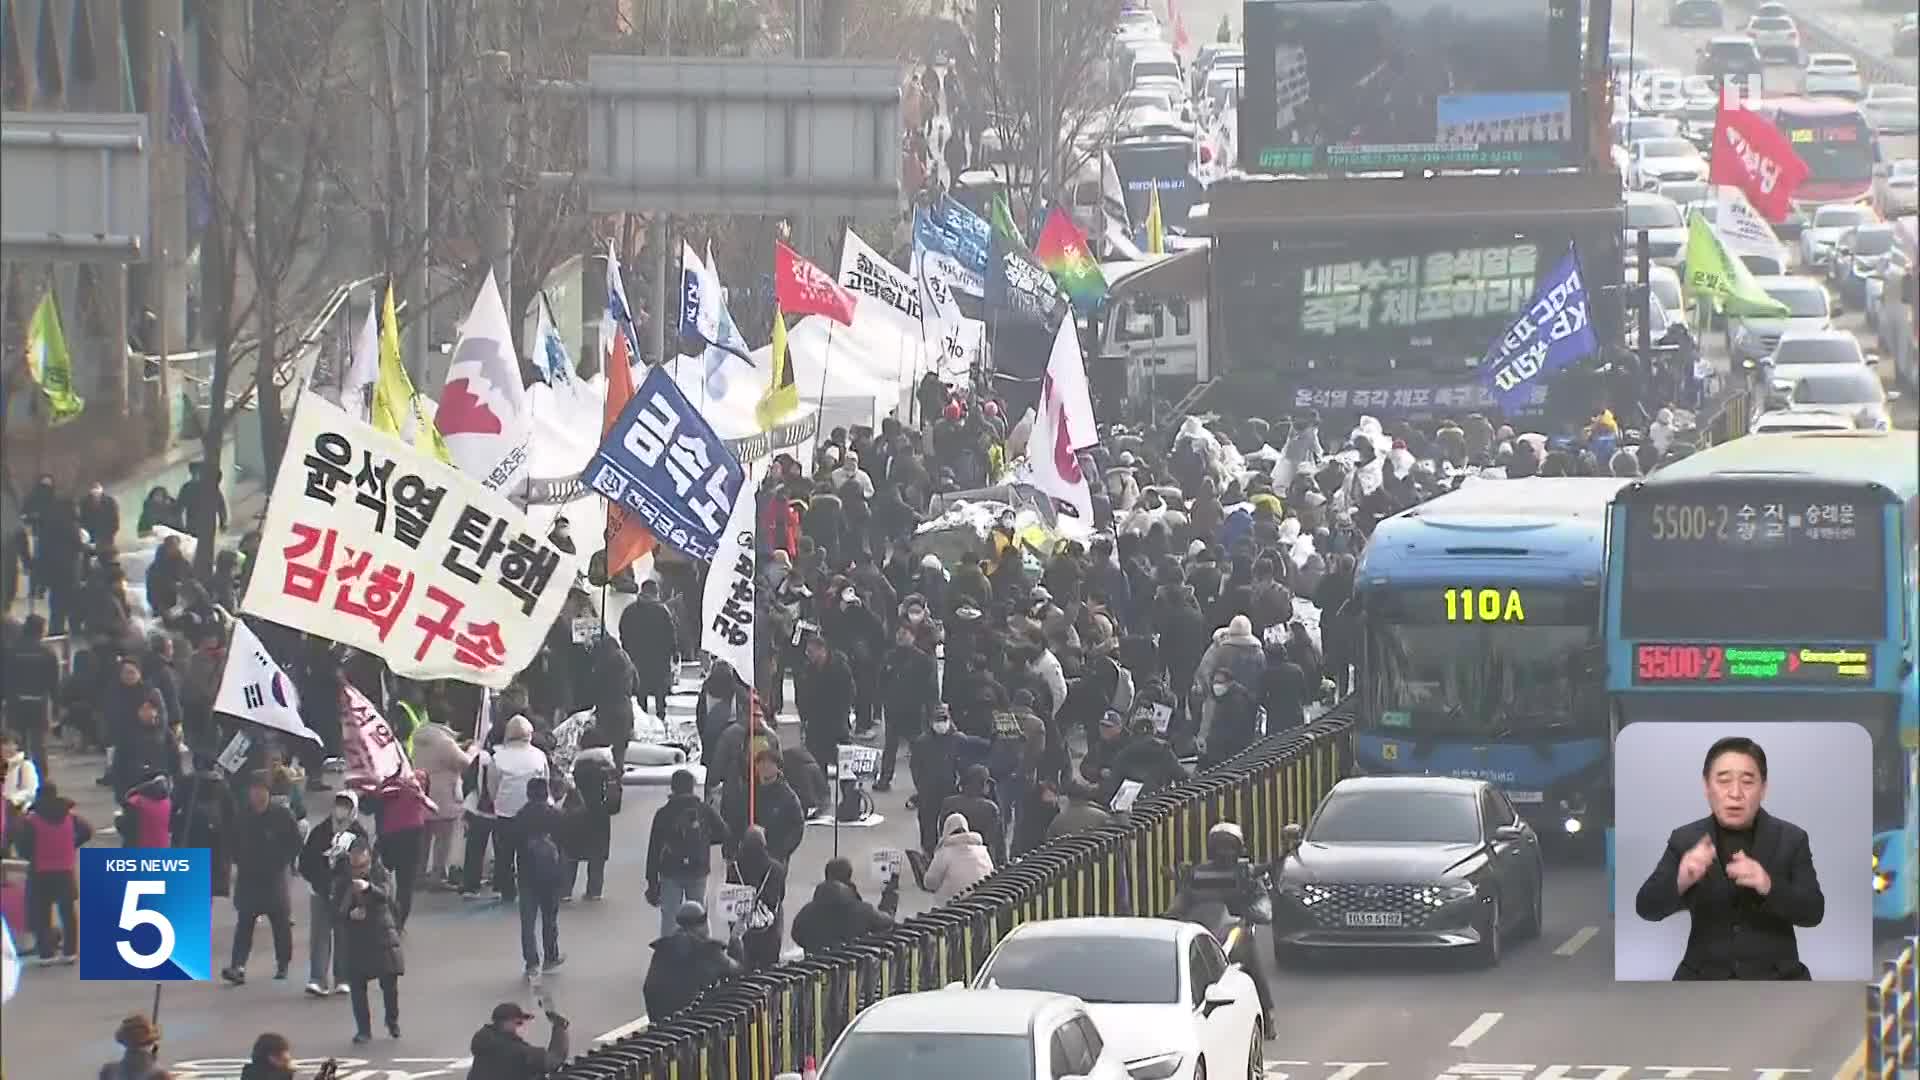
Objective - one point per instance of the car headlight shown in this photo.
(1305, 892)
(1157, 1067)
(1436, 895)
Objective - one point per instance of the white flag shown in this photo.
(254, 688)
(731, 581)
(356, 387)
(9, 964)
(1063, 424)
(483, 407)
(1740, 226)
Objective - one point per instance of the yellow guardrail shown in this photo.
(1893, 1016)
(771, 1021)
(1731, 420)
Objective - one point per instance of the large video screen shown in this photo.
(1146, 164)
(1352, 86)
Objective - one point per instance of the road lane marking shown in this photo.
(1578, 941)
(1856, 1064)
(1475, 1030)
(632, 1027)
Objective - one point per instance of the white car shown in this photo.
(1825, 228)
(1788, 422)
(1752, 338)
(1832, 73)
(1653, 161)
(1896, 188)
(1776, 36)
(1683, 192)
(1846, 391)
(1800, 355)
(1892, 108)
(1162, 991)
(1628, 130)
(958, 1034)
(1664, 283)
(1666, 229)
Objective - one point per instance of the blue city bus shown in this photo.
(1480, 654)
(1772, 578)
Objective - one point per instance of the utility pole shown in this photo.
(657, 233)
(166, 288)
(497, 240)
(416, 284)
(803, 227)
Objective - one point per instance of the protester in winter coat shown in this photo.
(982, 814)
(516, 762)
(30, 685)
(1285, 692)
(542, 833)
(363, 903)
(727, 766)
(775, 807)
(823, 692)
(480, 821)
(271, 1059)
(722, 701)
(403, 843)
(909, 690)
(21, 783)
(766, 920)
(49, 837)
(265, 843)
(936, 760)
(322, 861)
(837, 914)
(680, 849)
(145, 747)
(139, 1039)
(650, 638)
(501, 1052)
(590, 840)
(1235, 650)
(1229, 719)
(1076, 813)
(959, 863)
(685, 962)
(438, 756)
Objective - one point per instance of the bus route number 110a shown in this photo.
(1485, 605)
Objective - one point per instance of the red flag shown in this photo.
(628, 541)
(804, 289)
(1752, 155)
(1180, 39)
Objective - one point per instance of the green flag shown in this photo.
(1000, 215)
(49, 363)
(1718, 275)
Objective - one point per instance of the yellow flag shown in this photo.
(1156, 229)
(396, 408)
(782, 398)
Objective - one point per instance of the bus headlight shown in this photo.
(1881, 882)
(1572, 825)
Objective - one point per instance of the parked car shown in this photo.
(1708, 13)
(1777, 37)
(1653, 161)
(1892, 108)
(1729, 54)
(1832, 74)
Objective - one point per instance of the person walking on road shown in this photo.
(516, 763)
(648, 636)
(265, 844)
(767, 919)
(363, 902)
(49, 837)
(31, 685)
(679, 850)
(501, 1051)
(321, 862)
(776, 807)
(543, 874)
(823, 694)
(590, 840)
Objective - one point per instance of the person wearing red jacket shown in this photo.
(51, 836)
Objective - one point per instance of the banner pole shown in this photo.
(826, 357)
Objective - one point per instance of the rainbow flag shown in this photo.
(1062, 248)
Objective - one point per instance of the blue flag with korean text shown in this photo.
(1554, 332)
(664, 466)
(947, 227)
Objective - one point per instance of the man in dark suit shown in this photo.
(1745, 876)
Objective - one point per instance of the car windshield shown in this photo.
(1838, 217)
(1771, 22)
(943, 1055)
(1839, 349)
(1905, 170)
(1386, 816)
(1650, 127)
(1666, 148)
(1872, 241)
(1097, 970)
(1763, 265)
(1477, 680)
(1837, 388)
(1731, 50)
(1803, 301)
(1895, 93)
(1831, 65)
(1653, 214)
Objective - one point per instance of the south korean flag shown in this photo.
(254, 689)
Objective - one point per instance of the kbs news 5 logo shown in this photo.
(146, 914)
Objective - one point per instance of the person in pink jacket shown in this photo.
(403, 831)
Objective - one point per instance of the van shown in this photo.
(1153, 58)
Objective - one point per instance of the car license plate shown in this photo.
(1532, 798)
(1373, 918)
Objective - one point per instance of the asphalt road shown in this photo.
(462, 959)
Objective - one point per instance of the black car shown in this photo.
(1409, 862)
(1707, 13)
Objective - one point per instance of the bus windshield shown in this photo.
(1835, 148)
(1482, 681)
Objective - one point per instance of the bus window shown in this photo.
(1182, 317)
(1138, 321)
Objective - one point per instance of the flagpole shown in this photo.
(826, 356)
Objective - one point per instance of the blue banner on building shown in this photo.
(1553, 333)
(953, 230)
(663, 463)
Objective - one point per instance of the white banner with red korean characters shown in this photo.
(372, 544)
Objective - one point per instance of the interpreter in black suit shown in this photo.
(1745, 876)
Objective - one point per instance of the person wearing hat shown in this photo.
(501, 1050)
(685, 963)
(272, 1059)
(139, 1039)
(363, 905)
(265, 843)
(320, 863)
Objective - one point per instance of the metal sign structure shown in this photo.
(774, 137)
(74, 186)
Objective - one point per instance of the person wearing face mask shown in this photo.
(100, 516)
(823, 695)
(936, 760)
(363, 906)
(1229, 719)
(326, 841)
(909, 689)
(855, 634)
(1745, 877)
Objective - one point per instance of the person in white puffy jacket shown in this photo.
(959, 862)
(515, 762)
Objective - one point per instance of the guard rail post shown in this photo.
(1893, 1015)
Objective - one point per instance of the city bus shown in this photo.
(1833, 137)
(1772, 578)
(1480, 652)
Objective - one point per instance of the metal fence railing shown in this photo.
(1893, 1016)
(772, 1021)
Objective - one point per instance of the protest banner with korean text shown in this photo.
(663, 464)
(370, 543)
(1554, 333)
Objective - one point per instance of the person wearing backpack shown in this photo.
(679, 855)
(541, 829)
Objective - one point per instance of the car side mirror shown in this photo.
(1290, 838)
(1217, 996)
(1509, 833)
(1873, 359)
